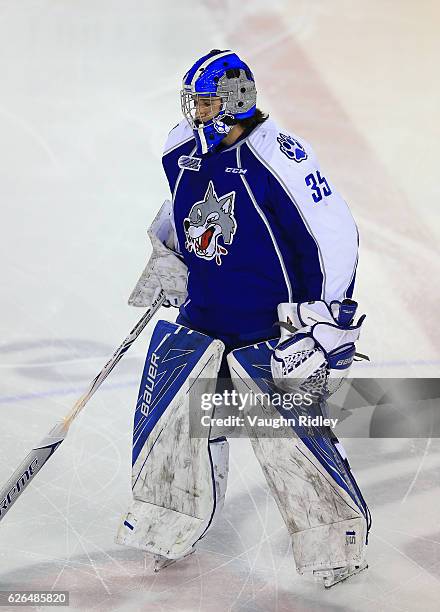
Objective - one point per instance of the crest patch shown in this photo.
(209, 220)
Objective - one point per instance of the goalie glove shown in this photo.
(165, 269)
(317, 346)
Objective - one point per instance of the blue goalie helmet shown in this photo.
(217, 91)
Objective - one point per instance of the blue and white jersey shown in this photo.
(257, 224)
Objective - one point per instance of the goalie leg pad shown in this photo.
(219, 450)
(308, 475)
(173, 473)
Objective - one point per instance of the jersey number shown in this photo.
(319, 186)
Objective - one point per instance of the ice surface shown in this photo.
(88, 92)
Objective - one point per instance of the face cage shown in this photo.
(189, 104)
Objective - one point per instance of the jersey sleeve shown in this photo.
(180, 141)
(314, 218)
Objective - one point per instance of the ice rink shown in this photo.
(88, 91)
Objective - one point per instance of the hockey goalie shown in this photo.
(255, 234)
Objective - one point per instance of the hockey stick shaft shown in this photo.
(39, 455)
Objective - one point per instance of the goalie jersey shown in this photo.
(257, 224)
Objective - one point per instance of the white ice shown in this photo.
(88, 92)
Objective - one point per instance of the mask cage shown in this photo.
(189, 102)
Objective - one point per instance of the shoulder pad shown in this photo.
(272, 143)
(180, 133)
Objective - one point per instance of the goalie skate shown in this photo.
(332, 576)
(161, 562)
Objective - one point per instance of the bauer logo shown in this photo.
(292, 148)
(150, 381)
(344, 361)
(189, 163)
(350, 538)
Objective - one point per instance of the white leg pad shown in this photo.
(166, 532)
(160, 531)
(321, 511)
(174, 489)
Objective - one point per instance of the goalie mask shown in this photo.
(317, 346)
(218, 90)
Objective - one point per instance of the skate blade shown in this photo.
(334, 576)
(161, 563)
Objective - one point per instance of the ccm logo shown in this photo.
(236, 170)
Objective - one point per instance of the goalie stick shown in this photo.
(39, 455)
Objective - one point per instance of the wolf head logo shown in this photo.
(207, 221)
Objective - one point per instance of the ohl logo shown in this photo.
(292, 148)
(350, 538)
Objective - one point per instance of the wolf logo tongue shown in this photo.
(206, 237)
(209, 219)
